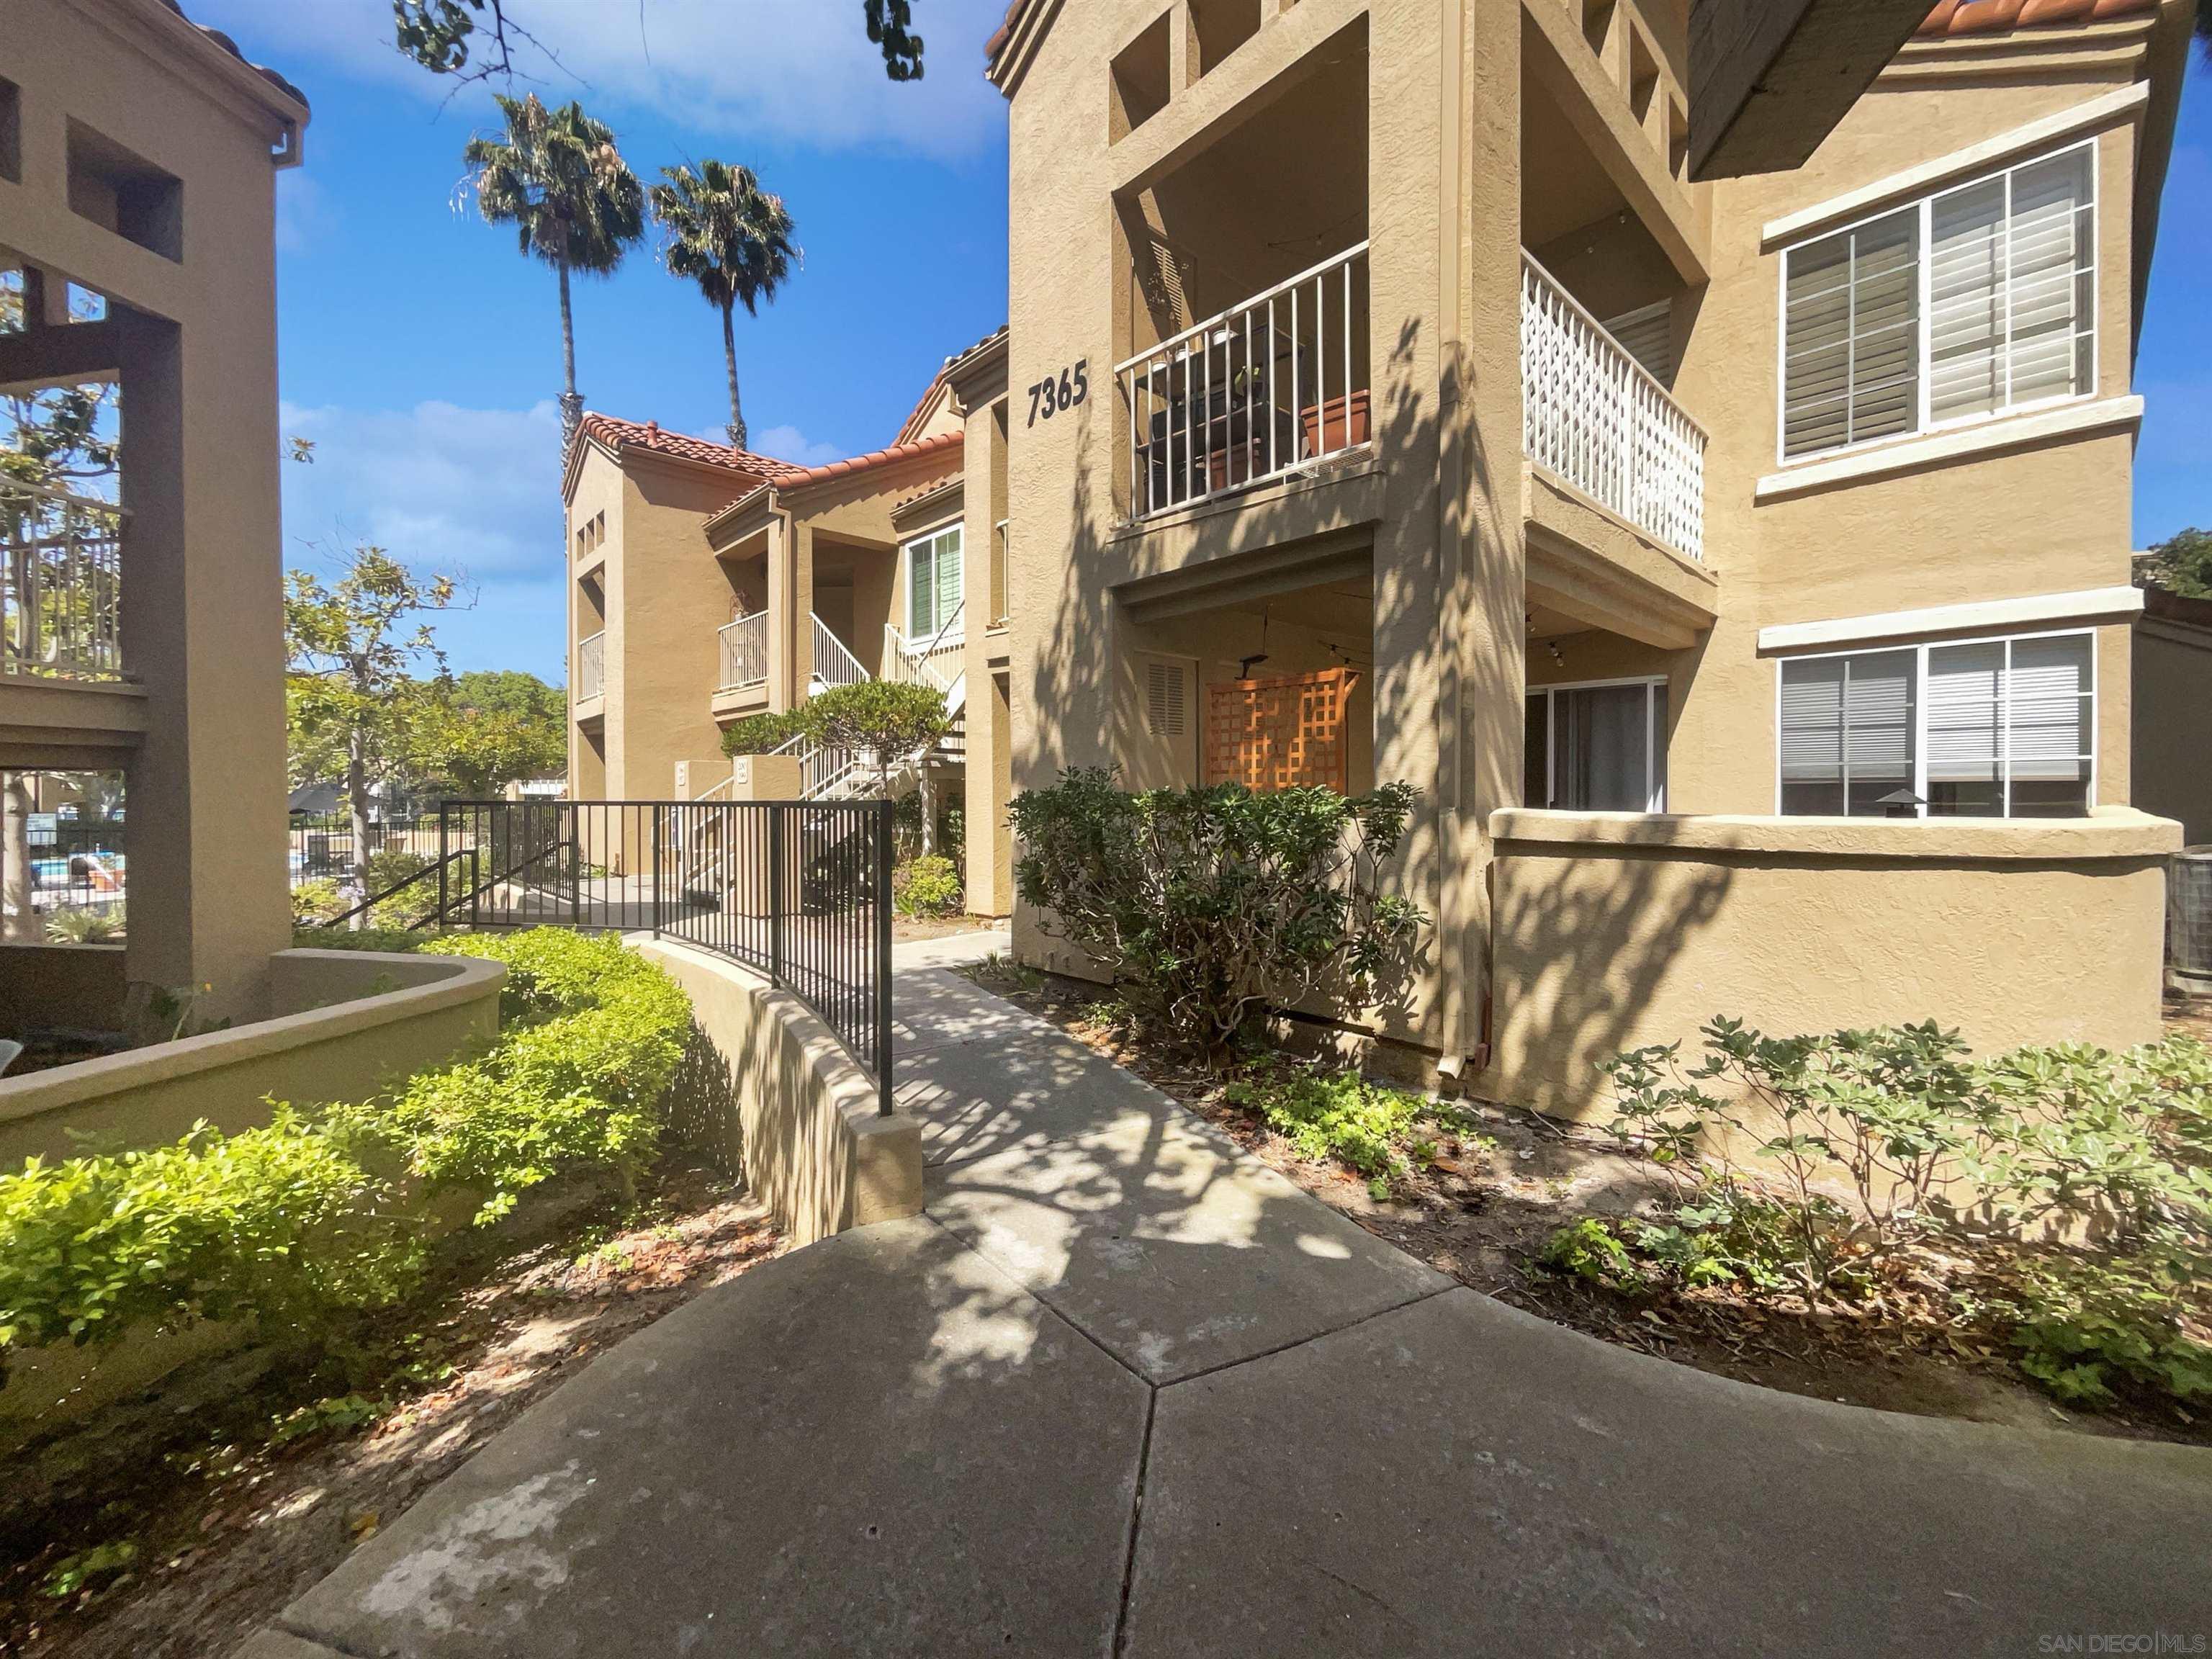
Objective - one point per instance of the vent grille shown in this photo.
(2189, 915)
(1166, 703)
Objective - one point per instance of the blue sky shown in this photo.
(422, 353)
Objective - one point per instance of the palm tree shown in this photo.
(558, 178)
(731, 237)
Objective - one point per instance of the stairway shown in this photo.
(828, 775)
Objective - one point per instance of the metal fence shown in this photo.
(799, 891)
(61, 584)
(322, 843)
(77, 863)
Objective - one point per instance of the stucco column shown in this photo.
(203, 631)
(989, 843)
(1482, 528)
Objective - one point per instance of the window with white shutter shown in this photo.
(1974, 301)
(1983, 728)
(933, 583)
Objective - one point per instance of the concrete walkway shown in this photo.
(1124, 1390)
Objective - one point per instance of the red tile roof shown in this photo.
(619, 435)
(798, 477)
(1957, 17)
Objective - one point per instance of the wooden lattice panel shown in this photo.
(1279, 734)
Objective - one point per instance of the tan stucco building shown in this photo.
(707, 584)
(137, 156)
(1382, 382)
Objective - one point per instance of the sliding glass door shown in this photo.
(1597, 748)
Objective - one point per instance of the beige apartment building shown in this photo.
(142, 626)
(709, 584)
(1740, 570)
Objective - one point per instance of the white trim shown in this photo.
(2091, 725)
(2091, 605)
(1925, 176)
(2004, 431)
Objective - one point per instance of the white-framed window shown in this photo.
(2001, 727)
(1974, 301)
(933, 579)
(1599, 746)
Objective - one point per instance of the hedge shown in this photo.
(319, 1211)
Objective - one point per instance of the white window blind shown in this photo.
(2008, 317)
(2002, 727)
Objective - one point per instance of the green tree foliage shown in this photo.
(734, 239)
(442, 36)
(492, 727)
(557, 177)
(60, 437)
(2182, 563)
(353, 708)
(1210, 905)
(881, 722)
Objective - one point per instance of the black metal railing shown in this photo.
(797, 890)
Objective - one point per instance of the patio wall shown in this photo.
(770, 1091)
(344, 1023)
(78, 986)
(1615, 930)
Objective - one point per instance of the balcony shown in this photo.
(592, 667)
(743, 649)
(1594, 417)
(1262, 390)
(61, 592)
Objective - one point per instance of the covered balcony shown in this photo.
(1247, 320)
(61, 590)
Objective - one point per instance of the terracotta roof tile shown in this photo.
(619, 436)
(1953, 18)
(231, 46)
(798, 477)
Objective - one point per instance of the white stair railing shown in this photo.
(1595, 416)
(744, 651)
(834, 665)
(935, 661)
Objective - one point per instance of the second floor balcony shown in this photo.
(1256, 392)
(592, 667)
(1598, 419)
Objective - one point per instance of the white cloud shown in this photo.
(303, 211)
(474, 492)
(787, 443)
(802, 72)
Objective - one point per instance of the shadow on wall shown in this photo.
(1561, 1014)
(1449, 626)
(703, 1105)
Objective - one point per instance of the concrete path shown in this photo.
(1125, 1391)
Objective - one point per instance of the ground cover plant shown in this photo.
(319, 1212)
(2060, 1196)
(1210, 905)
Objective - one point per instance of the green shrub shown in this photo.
(2083, 1323)
(1209, 905)
(73, 925)
(1588, 1249)
(761, 733)
(211, 1227)
(310, 1215)
(317, 901)
(1898, 1116)
(927, 887)
(387, 868)
(1370, 1127)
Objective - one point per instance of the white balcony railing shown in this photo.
(743, 652)
(1593, 416)
(834, 661)
(61, 592)
(591, 665)
(1265, 387)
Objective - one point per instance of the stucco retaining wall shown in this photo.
(767, 1088)
(77, 985)
(1616, 930)
(346, 1023)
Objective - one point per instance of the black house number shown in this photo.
(1063, 391)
